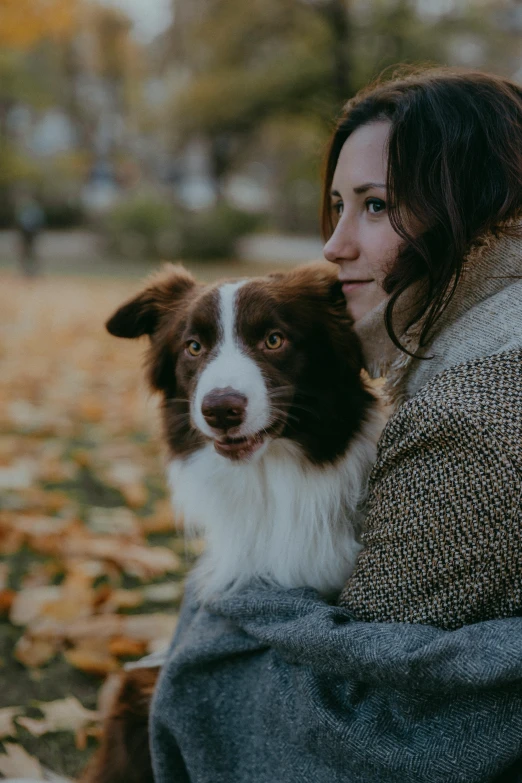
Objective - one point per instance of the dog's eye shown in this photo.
(194, 348)
(274, 341)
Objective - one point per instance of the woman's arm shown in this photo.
(444, 535)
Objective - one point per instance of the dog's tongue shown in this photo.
(238, 448)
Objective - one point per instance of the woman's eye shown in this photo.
(274, 341)
(194, 348)
(375, 205)
(337, 208)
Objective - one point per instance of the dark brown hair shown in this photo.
(454, 164)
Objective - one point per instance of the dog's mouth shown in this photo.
(239, 448)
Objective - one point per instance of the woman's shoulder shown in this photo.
(443, 535)
(480, 396)
(477, 383)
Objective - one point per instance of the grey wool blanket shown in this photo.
(275, 686)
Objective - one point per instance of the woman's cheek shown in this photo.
(386, 251)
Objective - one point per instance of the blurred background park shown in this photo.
(135, 131)
(176, 128)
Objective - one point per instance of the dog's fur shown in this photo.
(270, 428)
(124, 755)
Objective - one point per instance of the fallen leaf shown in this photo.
(70, 606)
(34, 652)
(196, 546)
(91, 661)
(188, 546)
(82, 458)
(60, 715)
(20, 475)
(6, 600)
(160, 645)
(148, 627)
(35, 526)
(123, 647)
(11, 540)
(51, 777)
(141, 560)
(98, 627)
(91, 409)
(164, 593)
(45, 501)
(107, 693)
(7, 726)
(40, 574)
(162, 521)
(30, 602)
(82, 736)
(90, 569)
(113, 521)
(17, 763)
(54, 502)
(124, 472)
(36, 419)
(123, 599)
(136, 495)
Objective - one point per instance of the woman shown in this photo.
(417, 674)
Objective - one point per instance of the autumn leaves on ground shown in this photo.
(92, 568)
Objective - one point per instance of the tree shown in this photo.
(25, 22)
(251, 67)
(75, 55)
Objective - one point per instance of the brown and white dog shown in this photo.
(271, 431)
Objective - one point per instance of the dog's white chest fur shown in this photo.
(278, 517)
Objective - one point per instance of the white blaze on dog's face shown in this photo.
(231, 401)
(242, 363)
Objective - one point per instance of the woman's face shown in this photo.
(363, 243)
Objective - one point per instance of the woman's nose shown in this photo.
(342, 246)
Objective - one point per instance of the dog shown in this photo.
(271, 432)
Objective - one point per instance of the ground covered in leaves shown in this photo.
(91, 566)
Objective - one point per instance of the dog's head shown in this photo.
(242, 363)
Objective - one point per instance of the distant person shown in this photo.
(30, 221)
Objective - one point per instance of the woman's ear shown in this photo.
(142, 314)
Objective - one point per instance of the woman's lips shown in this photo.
(354, 285)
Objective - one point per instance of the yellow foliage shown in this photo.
(15, 167)
(24, 22)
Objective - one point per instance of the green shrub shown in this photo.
(213, 233)
(147, 225)
(138, 225)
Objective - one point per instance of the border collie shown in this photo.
(270, 427)
(271, 432)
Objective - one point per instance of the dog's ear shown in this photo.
(142, 314)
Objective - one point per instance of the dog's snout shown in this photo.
(224, 409)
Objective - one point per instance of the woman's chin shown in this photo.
(363, 301)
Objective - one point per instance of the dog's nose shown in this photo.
(223, 409)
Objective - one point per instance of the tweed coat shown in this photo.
(443, 541)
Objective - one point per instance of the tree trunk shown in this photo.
(337, 15)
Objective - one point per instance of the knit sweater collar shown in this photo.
(484, 317)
